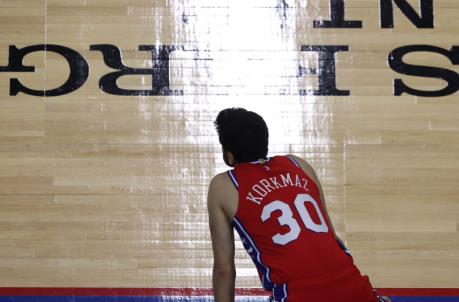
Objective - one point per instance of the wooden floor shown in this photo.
(98, 190)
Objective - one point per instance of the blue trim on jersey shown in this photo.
(263, 160)
(233, 178)
(184, 299)
(254, 253)
(424, 299)
(280, 293)
(293, 161)
(344, 248)
(125, 299)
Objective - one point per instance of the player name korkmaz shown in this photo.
(266, 185)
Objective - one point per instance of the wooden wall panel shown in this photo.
(99, 190)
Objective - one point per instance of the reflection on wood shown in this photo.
(99, 190)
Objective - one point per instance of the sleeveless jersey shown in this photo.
(283, 226)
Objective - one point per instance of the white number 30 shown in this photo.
(287, 218)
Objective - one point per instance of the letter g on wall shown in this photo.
(79, 69)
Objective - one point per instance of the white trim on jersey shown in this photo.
(233, 178)
(252, 244)
(261, 161)
(280, 296)
(293, 161)
(285, 293)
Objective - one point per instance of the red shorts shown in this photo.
(350, 287)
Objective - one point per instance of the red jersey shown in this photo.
(284, 229)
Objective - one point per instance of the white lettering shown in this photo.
(287, 180)
(305, 184)
(266, 184)
(275, 182)
(256, 200)
(259, 190)
(297, 181)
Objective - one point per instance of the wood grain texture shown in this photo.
(99, 190)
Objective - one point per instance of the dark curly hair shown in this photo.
(244, 133)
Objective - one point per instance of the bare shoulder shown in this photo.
(220, 182)
(299, 160)
(217, 187)
(304, 165)
(222, 194)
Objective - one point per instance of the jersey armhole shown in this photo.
(233, 178)
(293, 161)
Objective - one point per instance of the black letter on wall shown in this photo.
(78, 69)
(426, 20)
(449, 76)
(159, 72)
(326, 70)
(337, 18)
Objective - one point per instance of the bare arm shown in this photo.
(310, 171)
(222, 235)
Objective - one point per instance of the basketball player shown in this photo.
(276, 204)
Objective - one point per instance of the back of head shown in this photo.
(243, 133)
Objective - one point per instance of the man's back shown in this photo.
(279, 211)
(285, 229)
